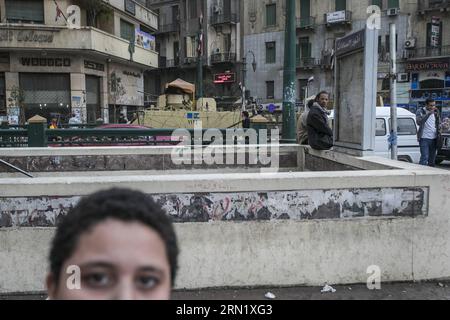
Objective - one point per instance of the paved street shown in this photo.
(398, 291)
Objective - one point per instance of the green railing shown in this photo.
(36, 135)
(13, 138)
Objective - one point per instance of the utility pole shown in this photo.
(244, 75)
(289, 76)
(393, 92)
(199, 88)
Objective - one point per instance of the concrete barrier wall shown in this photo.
(91, 159)
(410, 241)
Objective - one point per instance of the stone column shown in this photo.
(11, 81)
(78, 95)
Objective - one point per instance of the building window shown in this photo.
(393, 4)
(305, 9)
(302, 86)
(24, 11)
(46, 94)
(127, 30)
(305, 47)
(271, 15)
(340, 5)
(388, 43)
(271, 53)
(378, 3)
(93, 105)
(191, 49)
(193, 9)
(2, 95)
(270, 89)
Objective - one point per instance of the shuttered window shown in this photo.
(271, 53)
(270, 89)
(378, 3)
(305, 47)
(93, 98)
(341, 5)
(305, 9)
(127, 31)
(25, 11)
(393, 4)
(271, 15)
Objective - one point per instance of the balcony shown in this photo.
(168, 28)
(218, 19)
(228, 57)
(307, 63)
(433, 5)
(343, 17)
(86, 39)
(140, 12)
(165, 63)
(308, 23)
(427, 52)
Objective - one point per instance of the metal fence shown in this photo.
(87, 137)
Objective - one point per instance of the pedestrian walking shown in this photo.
(429, 132)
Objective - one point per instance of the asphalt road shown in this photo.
(434, 290)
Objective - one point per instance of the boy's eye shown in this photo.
(98, 280)
(147, 282)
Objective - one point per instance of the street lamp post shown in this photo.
(289, 76)
(244, 76)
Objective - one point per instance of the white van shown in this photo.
(408, 145)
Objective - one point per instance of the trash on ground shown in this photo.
(270, 295)
(328, 288)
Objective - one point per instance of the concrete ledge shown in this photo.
(145, 158)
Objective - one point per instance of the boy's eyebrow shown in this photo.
(107, 265)
(152, 269)
(97, 264)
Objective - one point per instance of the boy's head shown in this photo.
(123, 245)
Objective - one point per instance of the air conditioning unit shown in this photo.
(410, 43)
(392, 12)
(403, 77)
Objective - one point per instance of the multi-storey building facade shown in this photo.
(422, 36)
(177, 42)
(92, 71)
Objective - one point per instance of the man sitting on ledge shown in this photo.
(320, 135)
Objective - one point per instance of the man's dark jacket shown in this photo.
(320, 135)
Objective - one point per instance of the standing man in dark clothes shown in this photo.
(245, 120)
(320, 135)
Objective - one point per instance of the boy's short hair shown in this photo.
(119, 204)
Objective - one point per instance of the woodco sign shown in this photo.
(443, 64)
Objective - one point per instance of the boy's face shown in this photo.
(117, 261)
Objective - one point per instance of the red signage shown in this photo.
(428, 65)
(224, 78)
